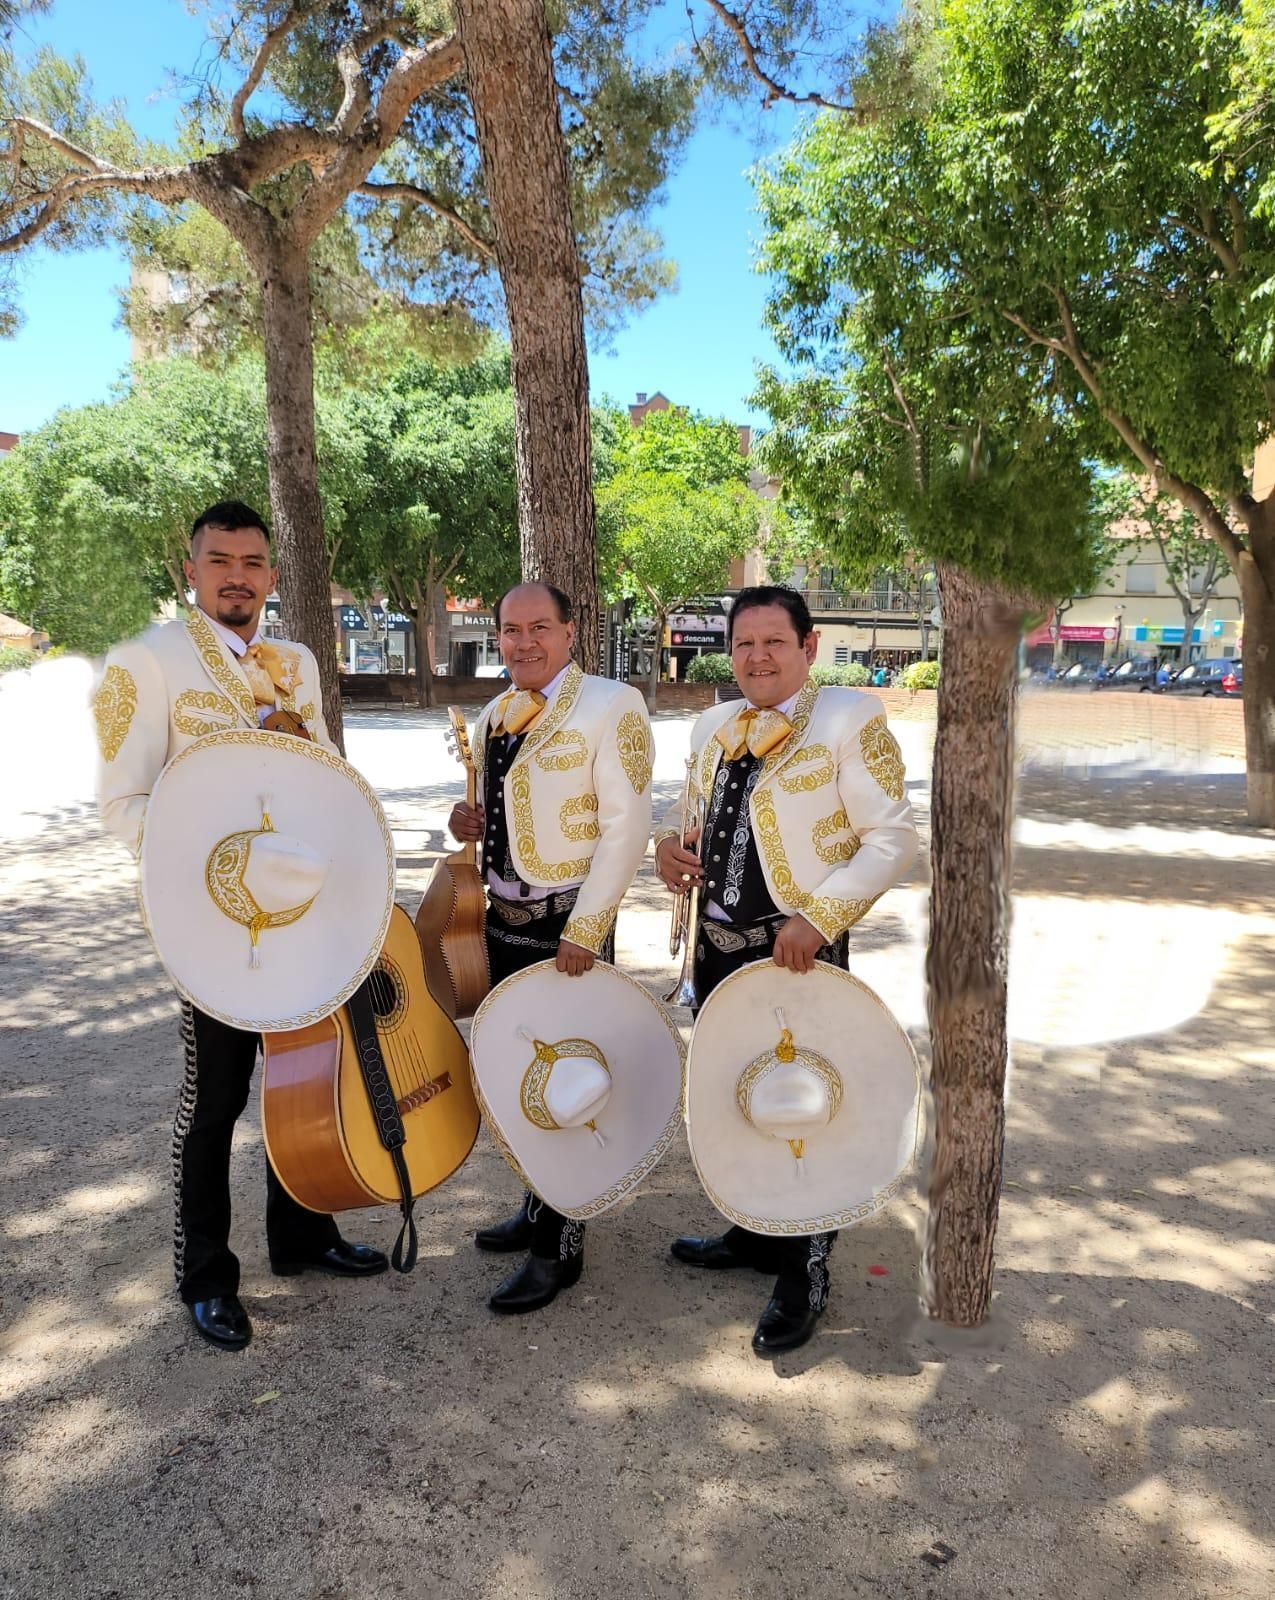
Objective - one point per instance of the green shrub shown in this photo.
(13, 658)
(714, 668)
(921, 675)
(851, 676)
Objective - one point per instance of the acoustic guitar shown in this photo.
(319, 1128)
(452, 916)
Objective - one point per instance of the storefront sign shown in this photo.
(353, 620)
(1147, 635)
(696, 636)
(696, 622)
(1086, 634)
(469, 620)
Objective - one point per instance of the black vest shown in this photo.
(733, 878)
(497, 856)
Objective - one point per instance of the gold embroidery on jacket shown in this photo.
(633, 738)
(585, 805)
(227, 678)
(811, 768)
(218, 713)
(565, 751)
(830, 850)
(529, 858)
(882, 756)
(114, 702)
(590, 932)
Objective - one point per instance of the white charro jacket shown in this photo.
(165, 689)
(829, 813)
(578, 797)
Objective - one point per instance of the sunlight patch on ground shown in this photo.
(97, 1200)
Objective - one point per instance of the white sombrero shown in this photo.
(267, 878)
(580, 1080)
(803, 1099)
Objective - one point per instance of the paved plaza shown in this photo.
(1108, 1435)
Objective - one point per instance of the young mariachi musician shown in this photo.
(158, 694)
(806, 826)
(564, 778)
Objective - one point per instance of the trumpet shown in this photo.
(686, 906)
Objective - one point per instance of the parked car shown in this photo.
(1083, 675)
(1221, 678)
(1136, 677)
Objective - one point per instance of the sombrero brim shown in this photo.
(215, 786)
(644, 1051)
(852, 1167)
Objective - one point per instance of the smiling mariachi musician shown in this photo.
(806, 826)
(564, 780)
(158, 694)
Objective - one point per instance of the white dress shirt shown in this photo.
(239, 646)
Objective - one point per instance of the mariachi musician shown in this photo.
(806, 825)
(157, 695)
(564, 784)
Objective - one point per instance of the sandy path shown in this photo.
(1109, 1435)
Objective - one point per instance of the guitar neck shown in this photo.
(469, 849)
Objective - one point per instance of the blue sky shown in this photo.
(700, 345)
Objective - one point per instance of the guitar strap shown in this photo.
(389, 1123)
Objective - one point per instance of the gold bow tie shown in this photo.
(517, 711)
(268, 674)
(758, 732)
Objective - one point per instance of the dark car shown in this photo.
(1221, 678)
(1083, 675)
(1136, 677)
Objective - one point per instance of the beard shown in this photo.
(234, 612)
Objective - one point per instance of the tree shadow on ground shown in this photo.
(1104, 1437)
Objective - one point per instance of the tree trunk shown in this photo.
(173, 568)
(1258, 596)
(422, 619)
(294, 470)
(968, 958)
(509, 64)
(653, 677)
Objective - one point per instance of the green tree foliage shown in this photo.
(675, 512)
(437, 504)
(910, 435)
(1091, 185)
(104, 496)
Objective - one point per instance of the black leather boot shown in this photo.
(783, 1326)
(538, 1281)
(514, 1233)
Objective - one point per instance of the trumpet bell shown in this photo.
(683, 991)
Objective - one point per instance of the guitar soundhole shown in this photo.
(387, 993)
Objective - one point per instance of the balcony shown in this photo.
(868, 602)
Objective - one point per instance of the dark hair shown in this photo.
(227, 515)
(561, 600)
(772, 594)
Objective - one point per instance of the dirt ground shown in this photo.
(1109, 1435)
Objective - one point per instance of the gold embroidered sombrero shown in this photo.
(580, 1080)
(267, 878)
(814, 1131)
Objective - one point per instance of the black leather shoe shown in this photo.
(714, 1253)
(514, 1233)
(342, 1260)
(222, 1321)
(783, 1328)
(537, 1281)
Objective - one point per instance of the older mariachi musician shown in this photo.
(806, 826)
(564, 771)
(158, 694)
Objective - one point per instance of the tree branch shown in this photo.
(413, 194)
(416, 71)
(274, 37)
(1192, 496)
(775, 90)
